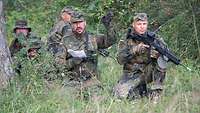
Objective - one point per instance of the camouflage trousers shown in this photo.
(134, 84)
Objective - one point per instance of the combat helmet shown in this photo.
(140, 16)
(68, 9)
(78, 17)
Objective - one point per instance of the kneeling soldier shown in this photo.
(142, 64)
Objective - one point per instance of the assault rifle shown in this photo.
(149, 39)
(106, 53)
(103, 52)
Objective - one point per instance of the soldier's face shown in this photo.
(79, 27)
(22, 30)
(66, 16)
(32, 53)
(140, 26)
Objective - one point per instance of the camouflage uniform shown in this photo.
(139, 69)
(20, 41)
(62, 26)
(82, 71)
(33, 47)
(21, 45)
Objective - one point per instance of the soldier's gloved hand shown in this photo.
(107, 19)
(140, 48)
(154, 54)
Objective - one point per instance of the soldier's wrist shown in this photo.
(134, 50)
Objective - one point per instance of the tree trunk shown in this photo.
(5, 58)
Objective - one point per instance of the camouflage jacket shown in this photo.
(80, 67)
(20, 41)
(59, 28)
(130, 58)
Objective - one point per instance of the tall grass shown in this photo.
(181, 95)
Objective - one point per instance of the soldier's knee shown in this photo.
(121, 91)
(158, 71)
(161, 73)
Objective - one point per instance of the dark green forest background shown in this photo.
(180, 19)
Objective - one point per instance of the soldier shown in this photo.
(77, 51)
(63, 22)
(62, 26)
(33, 48)
(22, 34)
(19, 46)
(142, 64)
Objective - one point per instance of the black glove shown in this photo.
(106, 19)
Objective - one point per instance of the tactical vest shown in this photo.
(143, 58)
(86, 42)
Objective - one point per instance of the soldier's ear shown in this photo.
(132, 24)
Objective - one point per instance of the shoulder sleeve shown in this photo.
(125, 51)
(108, 39)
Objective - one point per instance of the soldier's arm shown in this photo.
(106, 40)
(62, 57)
(56, 47)
(126, 51)
(14, 47)
(53, 40)
(55, 35)
(57, 27)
